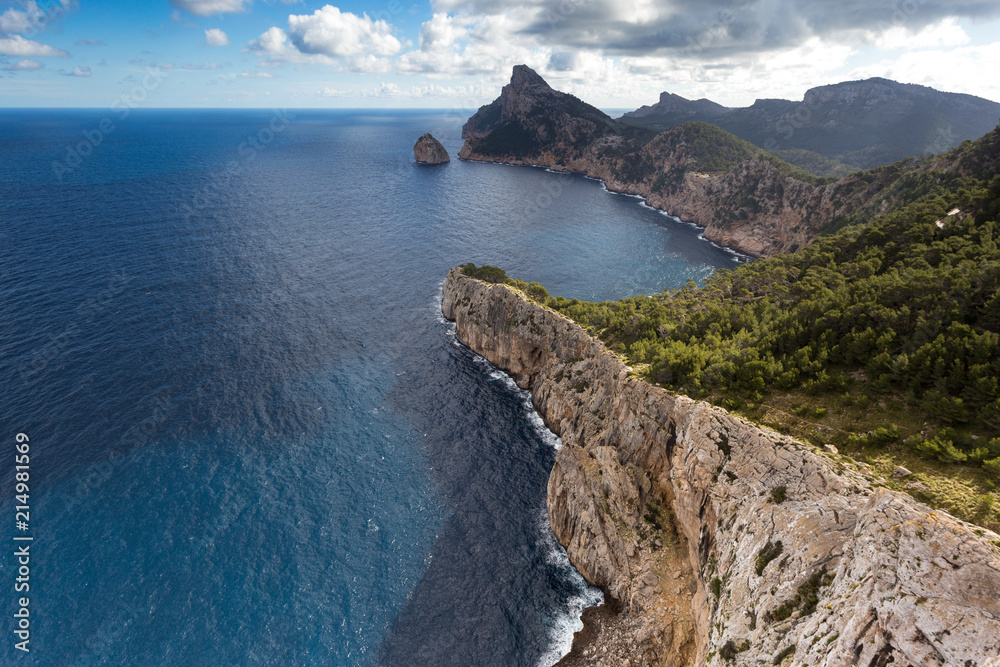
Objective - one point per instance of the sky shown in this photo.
(456, 54)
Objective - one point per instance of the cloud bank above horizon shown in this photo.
(457, 53)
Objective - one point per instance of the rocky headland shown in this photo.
(744, 197)
(429, 150)
(720, 542)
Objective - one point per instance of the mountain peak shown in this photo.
(525, 76)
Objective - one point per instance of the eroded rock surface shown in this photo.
(429, 150)
(723, 542)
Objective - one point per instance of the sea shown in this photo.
(251, 437)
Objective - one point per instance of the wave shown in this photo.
(568, 621)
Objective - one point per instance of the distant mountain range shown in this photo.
(842, 127)
(745, 197)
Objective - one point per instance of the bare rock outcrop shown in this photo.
(725, 543)
(745, 198)
(429, 150)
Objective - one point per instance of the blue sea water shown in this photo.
(253, 439)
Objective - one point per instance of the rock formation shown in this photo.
(725, 543)
(745, 198)
(429, 150)
(864, 123)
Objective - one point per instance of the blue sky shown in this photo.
(457, 53)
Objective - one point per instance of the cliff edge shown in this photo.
(723, 542)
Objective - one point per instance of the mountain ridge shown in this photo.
(863, 123)
(744, 197)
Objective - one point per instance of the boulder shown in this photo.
(429, 150)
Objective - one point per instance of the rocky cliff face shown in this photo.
(744, 198)
(429, 150)
(726, 543)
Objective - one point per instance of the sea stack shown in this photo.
(429, 150)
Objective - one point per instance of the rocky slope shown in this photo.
(429, 150)
(744, 197)
(864, 123)
(723, 542)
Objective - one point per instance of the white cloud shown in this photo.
(210, 7)
(189, 66)
(328, 36)
(215, 37)
(16, 45)
(440, 32)
(256, 75)
(945, 33)
(82, 70)
(22, 20)
(23, 65)
(337, 34)
(957, 70)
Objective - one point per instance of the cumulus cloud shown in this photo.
(16, 45)
(31, 17)
(440, 32)
(82, 70)
(944, 33)
(201, 66)
(329, 36)
(215, 37)
(957, 70)
(711, 28)
(23, 65)
(256, 75)
(210, 7)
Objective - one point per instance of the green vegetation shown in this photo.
(887, 332)
(788, 651)
(805, 599)
(732, 649)
(716, 151)
(768, 552)
(815, 163)
(779, 494)
(511, 138)
(496, 275)
(882, 338)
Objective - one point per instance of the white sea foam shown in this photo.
(567, 622)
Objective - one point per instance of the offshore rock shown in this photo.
(721, 542)
(429, 150)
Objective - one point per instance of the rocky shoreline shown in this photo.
(722, 542)
(752, 203)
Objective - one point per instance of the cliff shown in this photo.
(429, 150)
(745, 198)
(724, 542)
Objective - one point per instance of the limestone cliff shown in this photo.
(724, 542)
(745, 198)
(429, 150)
